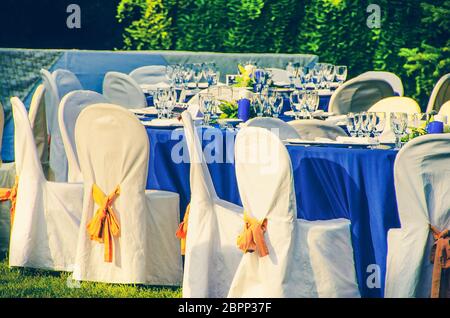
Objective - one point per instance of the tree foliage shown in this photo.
(412, 42)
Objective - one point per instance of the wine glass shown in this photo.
(361, 123)
(206, 104)
(311, 102)
(378, 123)
(341, 73)
(258, 105)
(399, 123)
(297, 99)
(276, 103)
(352, 126)
(197, 73)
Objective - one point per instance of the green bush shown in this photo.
(412, 42)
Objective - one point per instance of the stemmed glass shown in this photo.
(377, 123)
(258, 104)
(297, 99)
(399, 123)
(352, 126)
(158, 104)
(207, 104)
(197, 73)
(341, 73)
(329, 74)
(311, 102)
(361, 124)
(171, 101)
(276, 103)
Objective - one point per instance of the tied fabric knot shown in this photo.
(104, 225)
(182, 230)
(440, 258)
(11, 195)
(252, 237)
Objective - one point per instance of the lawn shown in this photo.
(30, 283)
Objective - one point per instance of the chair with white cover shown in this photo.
(358, 95)
(46, 215)
(391, 105)
(7, 179)
(291, 257)
(277, 126)
(126, 233)
(151, 74)
(422, 183)
(280, 76)
(389, 77)
(123, 90)
(440, 94)
(38, 121)
(445, 110)
(57, 85)
(310, 129)
(212, 227)
(71, 106)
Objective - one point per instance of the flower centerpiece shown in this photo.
(246, 76)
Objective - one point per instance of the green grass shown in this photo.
(34, 283)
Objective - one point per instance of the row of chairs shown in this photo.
(107, 228)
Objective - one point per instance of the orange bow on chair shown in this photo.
(10, 194)
(252, 237)
(440, 257)
(182, 230)
(104, 224)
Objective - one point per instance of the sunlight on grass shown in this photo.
(30, 283)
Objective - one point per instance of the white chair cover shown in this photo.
(440, 94)
(306, 259)
(389, 77)
(422, 183)
(280, 76)
(359, 94)
(445, 110)
(310, 129)
(113, 150)
(277, 126)
(47, 214)
(57, 85)
(69, 110)
(152, 74)
(394, 104)
(122, 90)
(211, 253)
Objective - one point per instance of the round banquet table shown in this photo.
(330, 182)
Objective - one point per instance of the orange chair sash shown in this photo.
(104, 225)
(252, 237)
(182, 230)
(440, 258)
(11, 195)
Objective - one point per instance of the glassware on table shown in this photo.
(399, 123)
(158, 104)
(197, 73)
(258, 105)
(311, 102)
(361, 123)
(329, 74)
(297, 99)
(377, 124)
(352, 126)
(207, 102)
(171, 101)
(276, 103)
(341, 73)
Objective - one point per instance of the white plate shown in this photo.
(317, 113)
(161, 123)
(332, 143)
(144, 111)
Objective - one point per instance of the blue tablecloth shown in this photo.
(356, 184)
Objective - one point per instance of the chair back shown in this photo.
(151, 74)
(389, 77)
(123, 90)
(277, 126)
(440, 94)
(71, 106)
(310, 129)
(358, 95)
